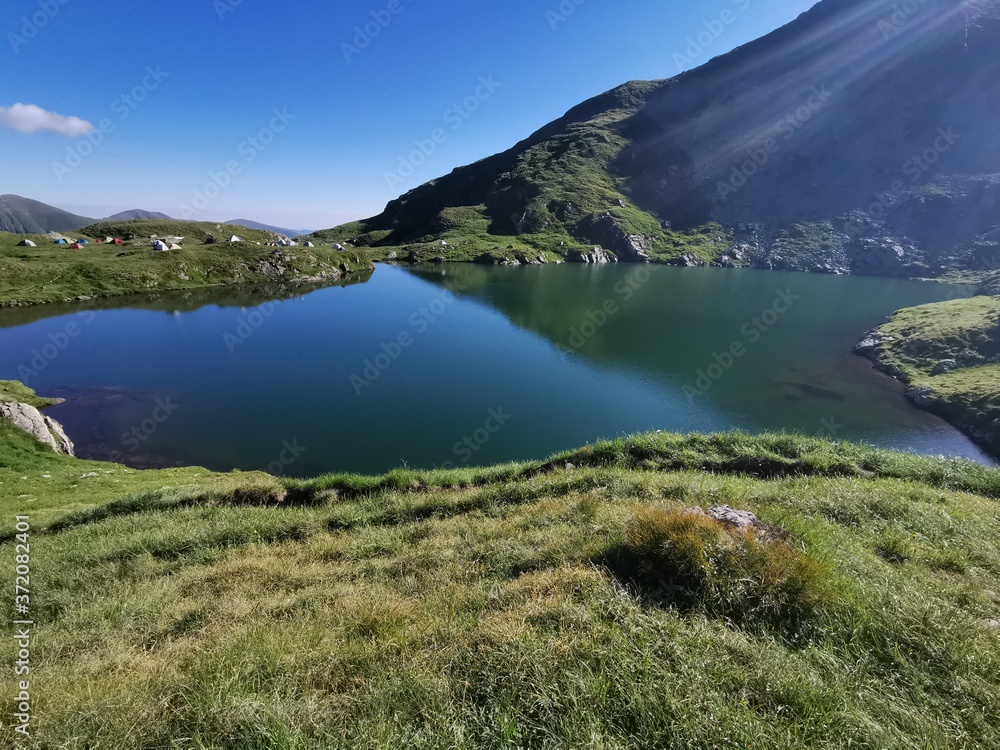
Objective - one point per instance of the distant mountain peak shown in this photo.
(19, 215)
(137, 214)
(250, 224)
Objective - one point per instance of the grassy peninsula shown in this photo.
(949, 355)
(56, 273)
(569, 603)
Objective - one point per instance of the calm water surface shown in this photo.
(467, 365)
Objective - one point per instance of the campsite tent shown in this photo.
(309, 244)
(160, 246)
(61, 241)
(174, 246)
(210, 240)
(26, 243)
(115, 241)
(76, 246)
(234, 238)
(82, 242)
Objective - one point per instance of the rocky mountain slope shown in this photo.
(861, 137)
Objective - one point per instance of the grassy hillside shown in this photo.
(571, 603)
(55, 273)
(949, 354)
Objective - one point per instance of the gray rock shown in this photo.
(611, 232)
(872, 341)
(944, 366)
(42, 428)
(922, 396)
(739, 520)
(688, 261)
(596, 256)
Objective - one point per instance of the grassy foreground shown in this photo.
(565, 604)
(55, 273)
(965, 335)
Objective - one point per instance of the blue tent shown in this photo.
(82, 242)
(62, 242)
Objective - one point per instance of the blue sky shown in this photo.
(284, 113)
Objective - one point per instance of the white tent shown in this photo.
(160, 246)
(309, 244)
(234, 238)
(26, 243)
(338, 247)
(174, 246)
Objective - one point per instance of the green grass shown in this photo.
(567, 603)
(55, 273)
(967, 331)
(11, 390)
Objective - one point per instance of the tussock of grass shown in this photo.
(695, 561)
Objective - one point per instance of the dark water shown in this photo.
(464, 364)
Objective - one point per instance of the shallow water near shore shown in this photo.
(459, 364)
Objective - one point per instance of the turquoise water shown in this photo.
(467, 365)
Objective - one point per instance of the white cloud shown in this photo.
(29, 118)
